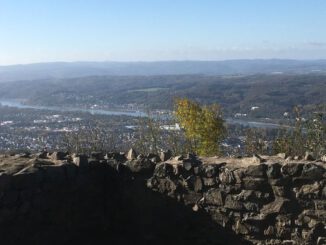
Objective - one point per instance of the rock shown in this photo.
(292, 169)
(165, 155)
(209, 170)
(232, 203)
(323, 158)
(256, 170)
(214, 197)
(256, 159)
(58, 155)
(281, 191)
(42, 155)
(274, 171)
(309, 191)
(279, 206)
(163, 170)
(309, 156)
(131, 154)
(192, 198)
(312, 171)
(166, 186)
(282, 155)
(81, 161)
(195, 183)
(140, 166)
(209, 182)
(256, 184)
(226, 176)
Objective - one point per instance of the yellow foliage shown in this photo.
(203, 126)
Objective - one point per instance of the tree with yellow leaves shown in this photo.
(203, 125)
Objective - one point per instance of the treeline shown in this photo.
(200, 129)
(273, 94)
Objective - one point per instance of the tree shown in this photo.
(203, 125)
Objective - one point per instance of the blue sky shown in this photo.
(132, 30)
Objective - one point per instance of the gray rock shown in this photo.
(226, 176)
(140, 165)
(209, 170)
(312, 171)
(292, 169)
(80, 161)
(163, 170)
(274, 171)
(256, 170)
(131, 155)
(214, 197)
(58, 155)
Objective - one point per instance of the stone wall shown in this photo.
(122, 199)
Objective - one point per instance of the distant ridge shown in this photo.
(226, 67)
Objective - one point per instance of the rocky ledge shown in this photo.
(61, 198)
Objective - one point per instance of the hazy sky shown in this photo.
(131, 30)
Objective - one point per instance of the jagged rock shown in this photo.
(309, 156)
(165, 155)
(209, 170)
(256, 159)
(163, 170)
(81, 161)
(195, 183)
(256, 184)
(226, 176)
(58, 155)
(292, 169)
(209, 182)
(274, 171)
(233, 204)
(282, 155)
(42, 155)
(281, 191)
(256, 170)
(279, 206)
(312, 171)
(131, 154)
(309, 191)
(191, 198)
(214, 197)
(140, 165)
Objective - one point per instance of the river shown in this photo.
(19, 104)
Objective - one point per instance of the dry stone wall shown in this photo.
(124, 198)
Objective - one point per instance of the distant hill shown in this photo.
(227, 67)
(273, 94)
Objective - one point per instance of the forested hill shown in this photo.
(227, 67)
(273, 94)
